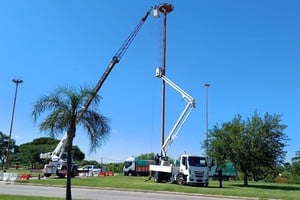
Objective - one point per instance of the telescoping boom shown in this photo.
(115, 59)
(184, 115)
(189, 168)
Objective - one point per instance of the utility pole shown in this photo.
(165, 9)
(206, 85)
(17, 82)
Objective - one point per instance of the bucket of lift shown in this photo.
(156, 12)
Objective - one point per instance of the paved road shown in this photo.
(95, 194)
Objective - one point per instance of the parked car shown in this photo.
(90, 170)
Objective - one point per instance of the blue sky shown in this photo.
(249, 51)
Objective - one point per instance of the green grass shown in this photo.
(230, 188)
(18, 197)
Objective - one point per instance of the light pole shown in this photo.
(17, 82)
(206, 85)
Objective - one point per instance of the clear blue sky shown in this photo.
(248, 50)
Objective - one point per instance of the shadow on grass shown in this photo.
(270, 187)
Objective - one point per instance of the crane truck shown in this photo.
(58, 164)
(188, 169)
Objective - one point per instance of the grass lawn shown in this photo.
(16, 197)
(230, 188)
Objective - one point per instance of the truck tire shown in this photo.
(47, 175)
(180, 179)
(61, 175)
(74, 172)
(130, 173)
(156, 177)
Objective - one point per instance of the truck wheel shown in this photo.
(180, 179)
(61, 175)
(156, 177)
(47, 175)
(74, 172)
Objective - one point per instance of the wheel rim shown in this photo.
(180, 180)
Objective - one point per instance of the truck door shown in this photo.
(184, 165)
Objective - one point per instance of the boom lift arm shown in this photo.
(58, 151)
(115, 59)
(60, 148)
(184, 115)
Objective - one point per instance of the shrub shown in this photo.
(270, 178)
(295, 179)
(281, 180)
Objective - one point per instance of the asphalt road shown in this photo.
(96, 193)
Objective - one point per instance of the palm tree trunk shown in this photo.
(71, 132)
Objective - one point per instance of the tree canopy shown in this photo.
(29, 153)
(296, 158)
(3, 145)
(254, 146)
(146, 156)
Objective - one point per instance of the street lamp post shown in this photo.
(206, 85)
(17, 82)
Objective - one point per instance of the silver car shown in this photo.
(89, 170)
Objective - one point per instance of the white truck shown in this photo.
(188, 169)
(58, 164)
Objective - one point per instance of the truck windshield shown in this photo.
(197, 161)
(127, 164)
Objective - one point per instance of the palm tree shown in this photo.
(64, 109)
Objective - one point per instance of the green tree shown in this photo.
(114, 167)
(296, 158)
(77, 154)
(29, 153)
(3, 145)
(255, 146)
(90, 162)
(295, 168)
(146, 156)
(65, 110)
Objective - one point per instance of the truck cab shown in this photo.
(129, 166)
(191, 169)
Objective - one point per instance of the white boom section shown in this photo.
(184, 115)
(58, 151)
